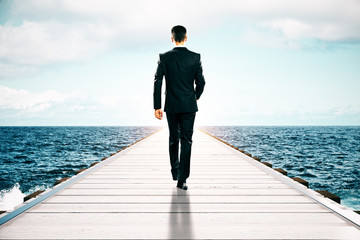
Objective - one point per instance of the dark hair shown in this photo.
(179, 33)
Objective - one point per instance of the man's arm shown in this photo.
(159, 74)
(199, 80)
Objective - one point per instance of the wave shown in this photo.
(9, 199)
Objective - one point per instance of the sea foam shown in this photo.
(9, 199)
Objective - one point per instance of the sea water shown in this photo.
(327, 157)
(33, 158)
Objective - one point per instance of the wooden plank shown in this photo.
(217, 176)
(180, 226)
(169, 185)
(165, 164)
(94, 219)
(179, 199)
(194, 169)
(179, 207)
(163, 192)
(166, 170)
(209, 181)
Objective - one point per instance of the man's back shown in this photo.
(182, 68)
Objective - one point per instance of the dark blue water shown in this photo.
(35, 157)
(327, 157)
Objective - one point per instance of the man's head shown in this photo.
(178, 34)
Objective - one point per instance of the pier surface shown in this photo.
(131, 195)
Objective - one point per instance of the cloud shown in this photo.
(33, 43)
(291, 28)
(335, 19)
(326, 20)
(325, 31)
(31, 102)
(265, 37)
(8, 70)
(44, 32)
(56, 31)
(56, 108)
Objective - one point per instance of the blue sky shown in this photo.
(273, 62)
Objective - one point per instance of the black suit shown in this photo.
(182, 69)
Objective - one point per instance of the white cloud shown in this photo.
(300, 29)
(266, 38)
(43, 32)
(291, 28)
(338, 19)
(33, 43)
(9, 70)
(66, 108)
(31, 102)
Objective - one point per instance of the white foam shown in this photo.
(9, 199)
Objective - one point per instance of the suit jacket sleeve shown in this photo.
(159, 74)
(199, 80)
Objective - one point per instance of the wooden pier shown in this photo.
(131, 195)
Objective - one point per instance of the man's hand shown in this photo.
(158, 114)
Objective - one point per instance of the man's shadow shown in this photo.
(180, 225)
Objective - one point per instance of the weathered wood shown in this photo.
(179, 207)
(179, 199)
(302, 181)
(282, 171)
(208, 181)
(61, 180)
(267, 164)
(80, 170)
(93, 164)
(216, 176)
(329, 195)
(32, 195)
(179, 226)
(167, 191)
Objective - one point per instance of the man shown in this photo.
(182, 68)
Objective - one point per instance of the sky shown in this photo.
(266, 62)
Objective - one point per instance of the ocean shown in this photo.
(33, 158)
(328, 157)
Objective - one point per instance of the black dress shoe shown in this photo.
(182, 185)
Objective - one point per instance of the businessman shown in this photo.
(182, 69)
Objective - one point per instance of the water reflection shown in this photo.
(180, 225)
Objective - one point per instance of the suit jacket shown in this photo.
(182, 68)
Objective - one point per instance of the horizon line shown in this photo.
(225, 125)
